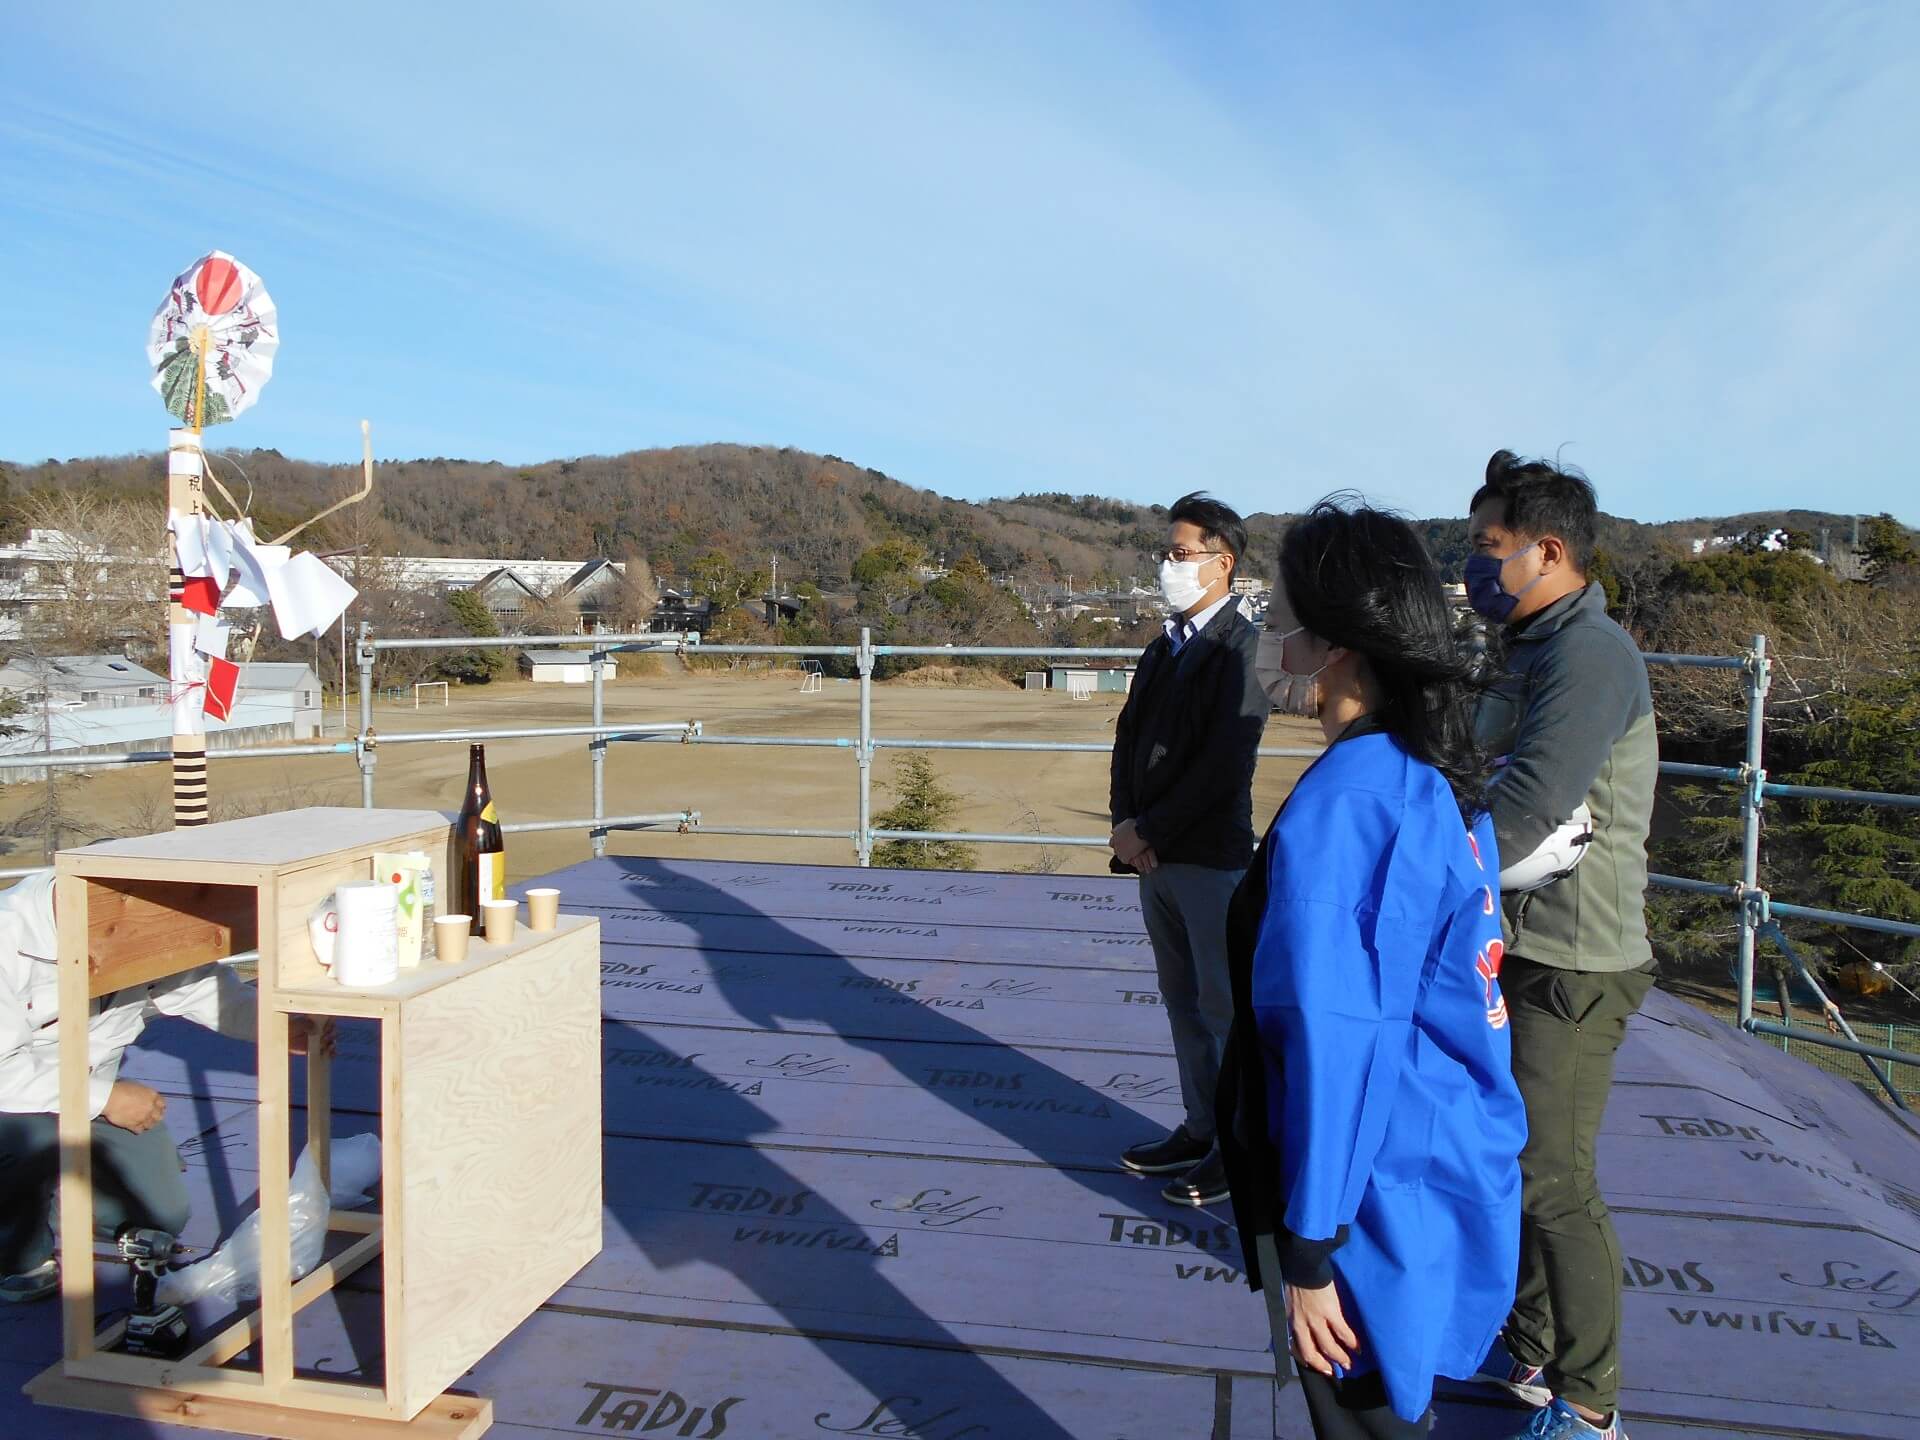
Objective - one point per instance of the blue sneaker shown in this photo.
(1559, 1421)
(1525, 1382)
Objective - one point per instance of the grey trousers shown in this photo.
(136, 1180)
(1186, 913)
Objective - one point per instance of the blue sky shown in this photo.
(1269, 249)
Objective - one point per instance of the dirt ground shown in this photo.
(550, 778)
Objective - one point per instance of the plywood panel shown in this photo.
(499, 1125)
(265, 841)
(325, 997)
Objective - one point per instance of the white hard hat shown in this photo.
(1553, 859)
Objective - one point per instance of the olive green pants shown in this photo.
(1566, 1026)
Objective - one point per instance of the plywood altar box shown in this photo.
(490, 1122)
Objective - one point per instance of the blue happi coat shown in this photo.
(1383, 1085)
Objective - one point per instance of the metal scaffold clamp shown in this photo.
(1758, 902)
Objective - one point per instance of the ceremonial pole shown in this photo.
(211, 347)
(186, 496)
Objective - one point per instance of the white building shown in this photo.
(561, 667)
(51, 565)
(293, 685)
(511, 588)
(73, 681)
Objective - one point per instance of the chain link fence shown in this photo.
(1851, 1067)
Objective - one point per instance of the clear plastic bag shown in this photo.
(232, 1273)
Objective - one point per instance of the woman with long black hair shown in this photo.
(1368, 1114)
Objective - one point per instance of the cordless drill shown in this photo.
(153, 1329)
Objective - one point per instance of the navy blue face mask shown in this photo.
(1485, 592)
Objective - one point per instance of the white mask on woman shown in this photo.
(1290, 694)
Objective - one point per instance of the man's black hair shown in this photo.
(1217, 523)
(1538, 500)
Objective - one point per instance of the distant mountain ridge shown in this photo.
(816, 512)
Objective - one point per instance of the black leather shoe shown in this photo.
(1179, 1151)
(1204, 1184)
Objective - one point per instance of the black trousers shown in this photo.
(1355, 1409)
(1352, 1409)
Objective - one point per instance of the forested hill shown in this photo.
(817, 512)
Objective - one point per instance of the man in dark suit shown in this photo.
(1182, 807)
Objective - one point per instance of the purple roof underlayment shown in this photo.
(861, 1180)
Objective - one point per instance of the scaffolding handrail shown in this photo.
(1757, 909)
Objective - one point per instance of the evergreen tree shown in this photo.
(922, 801)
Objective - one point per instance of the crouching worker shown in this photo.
(1368, 1114)
(136, 1168)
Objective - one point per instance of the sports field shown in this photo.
(551, 778)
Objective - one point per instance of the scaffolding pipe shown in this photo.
(597, 752)
(1699, 662)
(364, 653)
(1726, 773)
(804, 742)
(1833, 1042)
(1031, 652)
(684, 819)
(67, 761)
(1829, 1009)
(1064, 747)
(1842, 917)
(1844, 797)
(1695, 887)
(863, 845)
(661, 640)
(775, 832)
(1753, 899)
(969, 837)
(438, 737)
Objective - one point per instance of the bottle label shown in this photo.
(493, 877)
(488, 814)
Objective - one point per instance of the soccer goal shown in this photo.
(440, 685)
(810, 679)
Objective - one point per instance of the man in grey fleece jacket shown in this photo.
(1572, 716)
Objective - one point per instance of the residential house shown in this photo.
(294, 682)
(678, 612)
(67, 681)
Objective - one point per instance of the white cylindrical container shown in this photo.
(365, 949)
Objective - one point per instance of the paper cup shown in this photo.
(450, 937)
(499, 916)
(543, 908)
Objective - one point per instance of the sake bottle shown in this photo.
(481, 873)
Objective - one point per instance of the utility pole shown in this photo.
(776, 577)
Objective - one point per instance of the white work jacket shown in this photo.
(30, 1007)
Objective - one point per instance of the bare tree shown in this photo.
(102, 584)
(635, 598)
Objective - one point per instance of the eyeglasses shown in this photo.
(1179, 554)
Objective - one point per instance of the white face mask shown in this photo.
(1180, 583)
(1291, 694)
